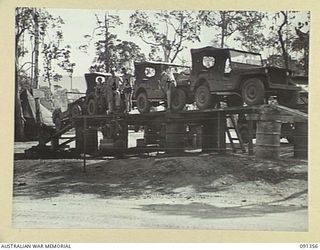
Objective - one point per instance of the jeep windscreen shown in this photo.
(245, 58)
(180, 69)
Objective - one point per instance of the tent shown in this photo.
(29, 112)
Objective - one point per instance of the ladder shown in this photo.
(60, 134)
(237, 138)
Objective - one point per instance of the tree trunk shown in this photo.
(18, 115)
(223, 28)
(166, 54)
(283, 48)
(36, 50)
(222, 37)
(106, 60)
(306, 57)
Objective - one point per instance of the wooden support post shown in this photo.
(125, 134)
(175, 132)
(250, 130)
(301, 140)
(84, 144)
(213, 134)
(221, 133)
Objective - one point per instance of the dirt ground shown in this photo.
(198, 191)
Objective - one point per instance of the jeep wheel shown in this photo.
(203, 97)
(253, 91)
(75, 110)
(179, 99)
(288, 98)
(92, 107)
(58, 123)
(143, 104)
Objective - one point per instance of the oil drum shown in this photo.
(268, 139)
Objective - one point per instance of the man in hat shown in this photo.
(111, 91)
(168, 84)
(127, 81)
(99, 90)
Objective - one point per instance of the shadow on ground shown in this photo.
(206, 211)
(132, 177)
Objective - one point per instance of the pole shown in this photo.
(36, 48)
(84, 134)
(250, 128)
(71, 82)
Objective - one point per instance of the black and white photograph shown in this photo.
(161, 119)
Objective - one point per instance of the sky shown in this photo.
(80, 22)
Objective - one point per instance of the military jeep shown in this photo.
(90, 103)
(237, 77)
(147, 90)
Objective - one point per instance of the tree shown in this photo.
(167, 33)
(301, 43)
(286, 37)
(36, 25)
(111, 51)
(54, 55)
(105, 42)
(282, 42)
(127, 52)
(250, 31)
(228, 23)
(22, 24)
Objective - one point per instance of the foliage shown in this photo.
(286, 36)
(246, 24)
(104, 42)
(109, 50)
(32, 29)
(167, 33)
(127, 52)
(38, 23)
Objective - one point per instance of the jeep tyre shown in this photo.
(203, 97)
(75, 110)
(179, 99)
(253, 91)
(143, 103)
(92, 107)
(288, 98)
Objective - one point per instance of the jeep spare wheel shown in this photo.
(92, 107)
(179, 99)
(75, 110)
(253, 91)
(58, 123)
(203, 97)
(143, 104)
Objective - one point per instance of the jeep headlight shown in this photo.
(287, 73)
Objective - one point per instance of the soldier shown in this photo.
(127, 80)
(112, 92)
(168, 84)
(99, 90)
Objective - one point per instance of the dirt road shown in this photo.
(204, 191)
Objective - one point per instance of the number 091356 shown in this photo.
(310, 246)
